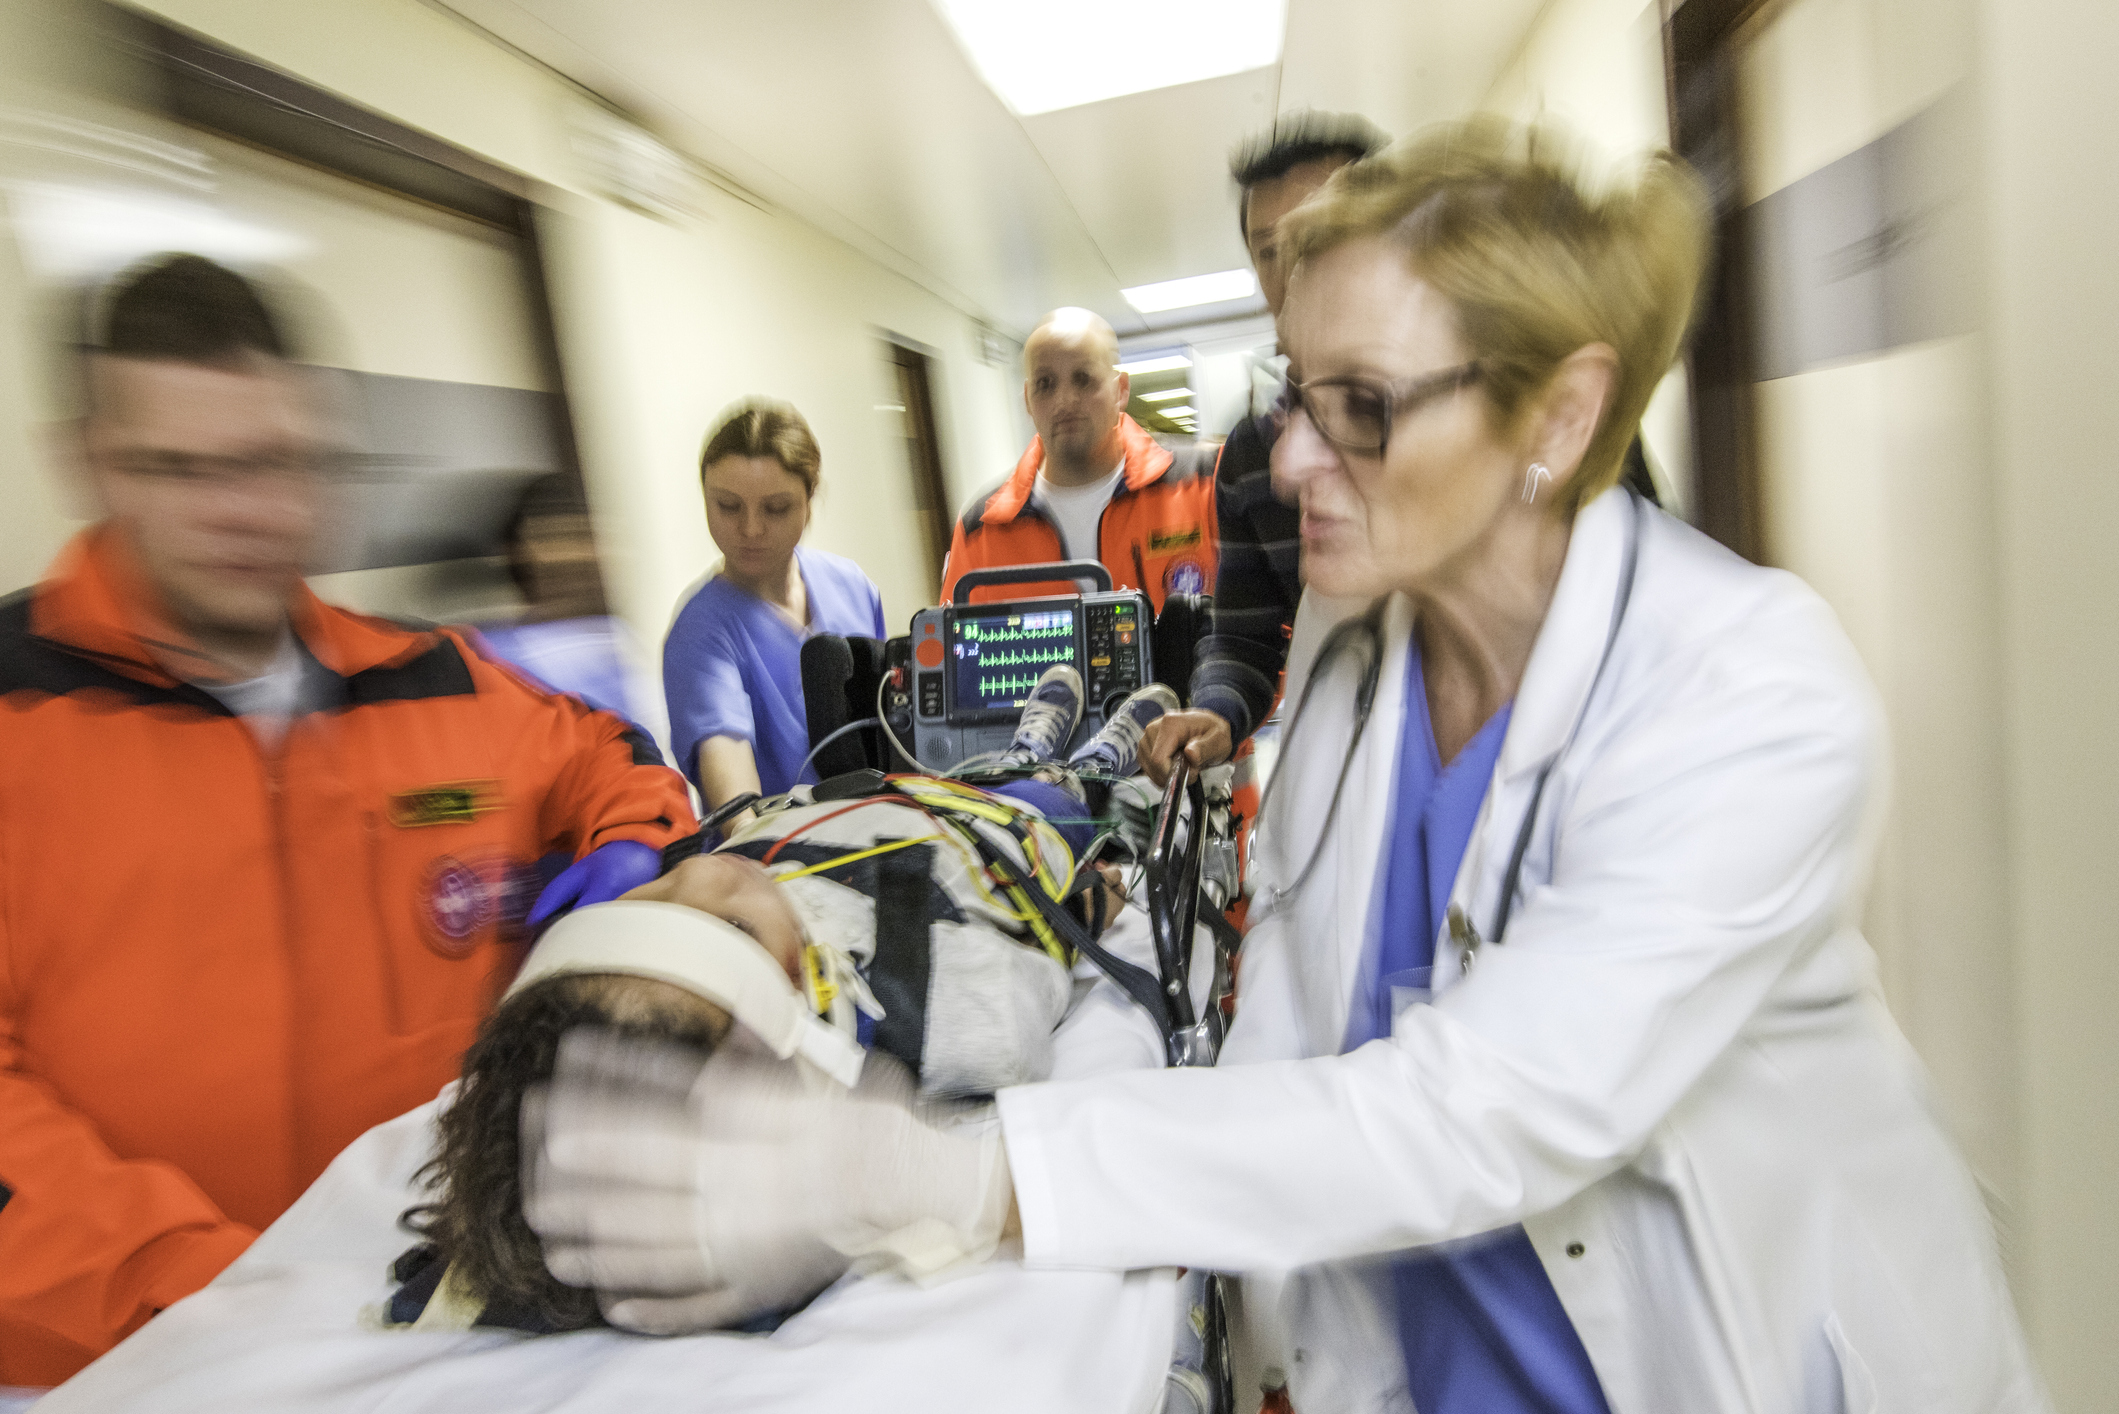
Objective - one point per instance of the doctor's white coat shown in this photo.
(1676, 1072)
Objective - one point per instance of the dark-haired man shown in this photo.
(1258, 581)
(256, 853)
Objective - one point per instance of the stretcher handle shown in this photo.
(1030, 574)
(1173, 887)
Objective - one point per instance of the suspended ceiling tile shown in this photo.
(1149, 173)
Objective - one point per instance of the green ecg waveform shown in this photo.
(976, 634)
(1036, 657)
(1007, 684)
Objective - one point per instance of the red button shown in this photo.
(928, 652)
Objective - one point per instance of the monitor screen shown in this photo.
(996, 658)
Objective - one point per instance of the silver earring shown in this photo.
(1537, 474)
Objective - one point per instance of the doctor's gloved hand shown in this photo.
(599, 876)
(748, 1190)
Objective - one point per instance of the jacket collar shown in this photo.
(1570, 647)
(1146, 461)
(96, 602)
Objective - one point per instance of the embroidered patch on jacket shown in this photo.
(1162, 542)
(455, 904)
(1184, 577)
(449, 803)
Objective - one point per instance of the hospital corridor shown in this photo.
(1171, 707)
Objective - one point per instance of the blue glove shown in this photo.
(598, 877)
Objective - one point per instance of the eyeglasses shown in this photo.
(1357, 413)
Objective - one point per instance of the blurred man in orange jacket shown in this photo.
(1094, 485)
(256, 853)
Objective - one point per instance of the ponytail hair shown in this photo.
(765, 427)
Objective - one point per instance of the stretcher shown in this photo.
(297, 1322)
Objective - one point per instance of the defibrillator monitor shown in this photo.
(975, 665)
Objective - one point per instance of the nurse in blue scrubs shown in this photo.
(731, 667)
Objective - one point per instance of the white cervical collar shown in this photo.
(707, 957)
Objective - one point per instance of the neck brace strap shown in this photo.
(705, 956)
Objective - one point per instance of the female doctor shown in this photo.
(1560, 1081)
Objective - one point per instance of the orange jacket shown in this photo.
(1157, 534)
(219, 963)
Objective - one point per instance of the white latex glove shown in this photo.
(694, 1198)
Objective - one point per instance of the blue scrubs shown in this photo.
(732, 665)
(1482, 1330)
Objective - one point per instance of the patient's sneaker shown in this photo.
(1049, 718)
(1116, 749)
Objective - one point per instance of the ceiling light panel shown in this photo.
(1178, 414)
(1166, 395)
(1221, 286)
(1162, 364)
(1039, 59)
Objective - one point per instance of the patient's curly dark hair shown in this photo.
(476, 1174)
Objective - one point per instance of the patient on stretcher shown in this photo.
(901, 921)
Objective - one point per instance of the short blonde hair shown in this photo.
(1499, 219)
(766, 427)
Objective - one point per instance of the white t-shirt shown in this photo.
(1077, 511)
(267, 702)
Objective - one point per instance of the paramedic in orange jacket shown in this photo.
(259, 857)
(1094, 485)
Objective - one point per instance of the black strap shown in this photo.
(904, 959)
(1137, 982)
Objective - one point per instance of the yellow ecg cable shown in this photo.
(948, 813)
(858, 854)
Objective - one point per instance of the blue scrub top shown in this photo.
(732, 665)
(1481, 1328)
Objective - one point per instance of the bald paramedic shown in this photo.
(264, 863)
(1093, 485)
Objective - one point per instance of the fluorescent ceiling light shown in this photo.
(1165, 395)
(1039, 60)
(1178, 414)
(1221, 286)
(1155, 365)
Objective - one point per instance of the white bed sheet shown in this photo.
(283, 1328)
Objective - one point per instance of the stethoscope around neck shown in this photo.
(1366, 633)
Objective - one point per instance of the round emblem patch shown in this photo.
(1184, 577)
(455, 904)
